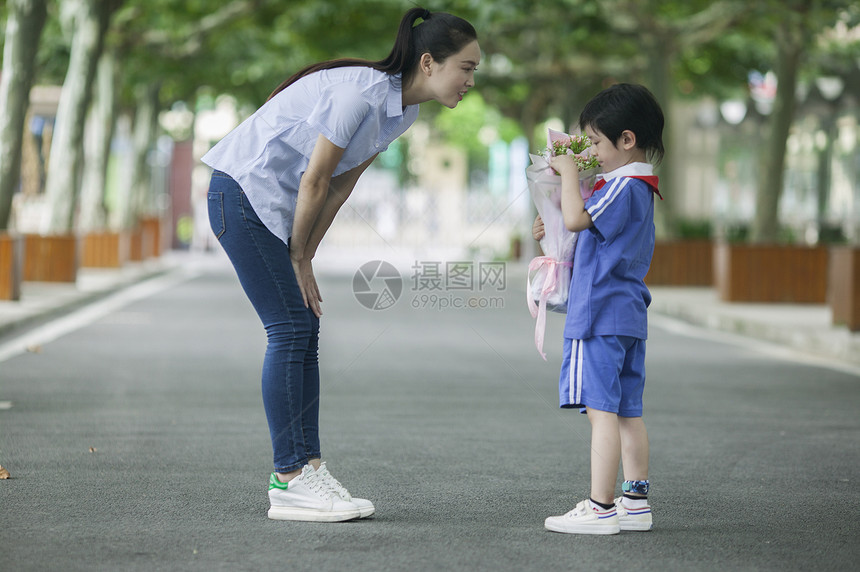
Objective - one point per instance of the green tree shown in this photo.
(24, 24)
(87, 21)
(796, 26)
(555, 55)
(166, 49)
(665, 31)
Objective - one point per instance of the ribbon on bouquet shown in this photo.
(539, 310)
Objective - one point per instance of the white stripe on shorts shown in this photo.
(575, 385)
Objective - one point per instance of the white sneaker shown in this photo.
(307, 498)
(584, 519)
(365, 506)
(633, 518)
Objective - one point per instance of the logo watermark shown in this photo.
(377, 285)
(435, 285)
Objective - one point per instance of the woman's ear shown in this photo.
(628, 140)
(426, 63)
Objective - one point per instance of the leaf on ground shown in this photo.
(93, 449)
(4, 474)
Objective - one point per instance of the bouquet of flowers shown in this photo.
(548, 282)
(577, 145)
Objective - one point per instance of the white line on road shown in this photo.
(92, 312)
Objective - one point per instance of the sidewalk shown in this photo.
(42, 301)
(802, 328)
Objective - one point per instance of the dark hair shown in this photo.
(440, 34)
(624, 107)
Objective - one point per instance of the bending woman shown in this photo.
(279, 179)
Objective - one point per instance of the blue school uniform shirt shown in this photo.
(359, 109)
(608, 296)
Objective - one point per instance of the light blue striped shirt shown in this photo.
(358, 109)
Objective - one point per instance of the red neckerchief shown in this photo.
(650, 180)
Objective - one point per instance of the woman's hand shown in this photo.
(307, 284)
(538, 231)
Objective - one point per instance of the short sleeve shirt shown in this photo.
(359, 109)
(608, 296)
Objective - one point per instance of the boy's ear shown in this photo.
(628, 140)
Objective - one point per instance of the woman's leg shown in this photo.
(290, 378)
(311, 402)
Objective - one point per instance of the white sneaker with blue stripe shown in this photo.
(585, 519)
(638, 518)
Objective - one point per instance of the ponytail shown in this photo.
(439, 34)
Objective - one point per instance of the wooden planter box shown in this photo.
(11, 262)
(135, 245)
(50, 258)
(682, 263)
(104, 250)
(763, 273)
(145, 240)
(151, 237)
(844, 286)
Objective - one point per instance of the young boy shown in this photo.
(603, 368)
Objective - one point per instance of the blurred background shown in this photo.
(108, 105)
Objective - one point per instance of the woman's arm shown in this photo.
(313, 192)
(576, 218)
(320, 197)
(341, 188)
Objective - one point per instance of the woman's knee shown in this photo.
(290, 331)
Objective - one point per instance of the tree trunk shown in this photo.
(97, 149)
(148, 206)
(824, 174)
(765, 226)
(66, 160)
(134, 190)
(23, 29)
(660, 79)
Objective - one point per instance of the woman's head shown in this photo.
(439, 34)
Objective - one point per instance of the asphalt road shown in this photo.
(138, 442)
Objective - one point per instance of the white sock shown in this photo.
(634, 503)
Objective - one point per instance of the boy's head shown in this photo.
(624, 109)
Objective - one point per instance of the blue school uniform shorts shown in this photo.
(606, 373)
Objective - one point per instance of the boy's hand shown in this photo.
(564, 165)
(538, 231)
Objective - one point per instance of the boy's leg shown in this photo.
(634, 448)
(605, 454)
(634, 511)
(590, 378)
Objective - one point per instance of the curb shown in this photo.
(833, 342)
(76, 301)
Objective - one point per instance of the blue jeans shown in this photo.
(291, 380)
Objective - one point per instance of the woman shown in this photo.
(280, 177)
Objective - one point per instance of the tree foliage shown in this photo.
(542, 58)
